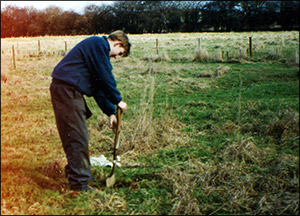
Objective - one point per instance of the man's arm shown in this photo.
(105, 105)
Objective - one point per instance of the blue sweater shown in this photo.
(87, 67)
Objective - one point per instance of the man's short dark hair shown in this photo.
(121, 36)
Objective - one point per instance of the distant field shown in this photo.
(213, 130)
(177, 45)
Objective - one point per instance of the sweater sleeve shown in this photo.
(98, 62)
(105, 105)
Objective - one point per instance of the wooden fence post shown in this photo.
(66, 47)
(250, 46)
(39, 46)
(14, 57)
(156, 46)
(199, 43)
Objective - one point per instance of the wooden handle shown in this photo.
(119, 119)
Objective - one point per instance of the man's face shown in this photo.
(116, 50)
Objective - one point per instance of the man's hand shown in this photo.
(113, 122)
(113, 118)
(122, 105)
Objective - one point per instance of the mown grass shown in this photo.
(219, 136)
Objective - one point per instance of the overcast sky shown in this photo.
(77, 6)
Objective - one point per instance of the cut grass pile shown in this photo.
(199, 137)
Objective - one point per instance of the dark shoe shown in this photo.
(82, 189)
(89, 189)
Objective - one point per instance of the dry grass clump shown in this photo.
(162, 57)
(243, 151)
(145, 135)
(284, 126)
(221, 70)
(183, 185)
(279, 194)
(201, 55)
(228, 127)
(104, 202)
(54, 169)
(294, 59)
(204, 56)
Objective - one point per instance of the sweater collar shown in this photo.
(106, 39)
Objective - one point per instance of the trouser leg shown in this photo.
(70, 113)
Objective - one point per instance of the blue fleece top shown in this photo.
(87, 67)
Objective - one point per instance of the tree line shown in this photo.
(138, 17)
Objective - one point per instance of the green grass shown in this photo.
(204, 144)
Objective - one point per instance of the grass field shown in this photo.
(210, 131)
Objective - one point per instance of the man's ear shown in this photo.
(117, 43)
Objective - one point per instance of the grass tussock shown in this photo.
(104, 202)
(183, 185)
(146, 134)
(294, 59)
(243, 151)
(217, 73)
(284, 126)
(221, 70)
(201, 55)
(163, 57)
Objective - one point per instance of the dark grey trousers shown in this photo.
(71, 113)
